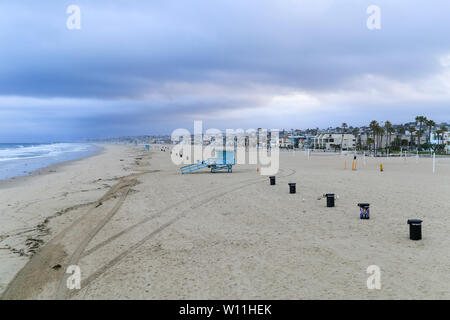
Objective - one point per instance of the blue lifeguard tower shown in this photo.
(224, 161)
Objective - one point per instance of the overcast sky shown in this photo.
(148, 67)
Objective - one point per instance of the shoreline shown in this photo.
(53, 166)
(20, 239)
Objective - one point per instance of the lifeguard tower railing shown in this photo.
(224, 161)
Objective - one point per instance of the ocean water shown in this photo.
(19, 159)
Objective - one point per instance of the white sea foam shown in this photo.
(21, 159)
(22, 152)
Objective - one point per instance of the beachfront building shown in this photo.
(333, 141)
(285, 142)
(298, 141)
(309, 141)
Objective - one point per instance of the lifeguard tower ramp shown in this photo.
(224, 161)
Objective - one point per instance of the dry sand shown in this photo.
(139, 229)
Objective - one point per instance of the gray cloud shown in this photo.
(141, 65)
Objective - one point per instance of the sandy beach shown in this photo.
(138, 229)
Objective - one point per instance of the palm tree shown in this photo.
(344, 126)
(389, 131)
(400, 131)
(430, 124)
(420, 120)
(411, 140)
(380, 134)
(439, 134)
(355, 132)
(373, 127)
(369, 141)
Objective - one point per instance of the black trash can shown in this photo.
(330, 200)
(415, 229)
(272, 180)
(364, 210)
(292, 187)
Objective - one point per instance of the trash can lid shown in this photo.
(364, 205)
(329, 194)
(291, 183)
(412, 221)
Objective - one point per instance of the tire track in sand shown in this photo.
(154, 216)
(122, 255)
(35, 274)
(38, 272)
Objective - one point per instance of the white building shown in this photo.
(285, 142)
(333, 141)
